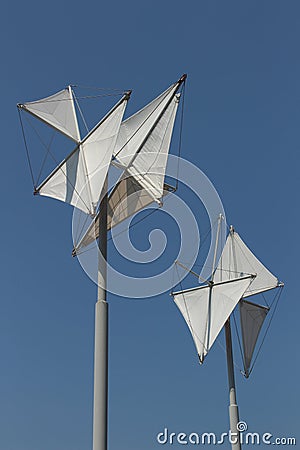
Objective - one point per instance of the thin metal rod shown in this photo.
(100, 421)
(216, 248)
(220, 283)
(233, 407)
(190, 271)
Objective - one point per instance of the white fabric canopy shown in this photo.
(206, 309)
(79, 179)
(252, 318)
(144, 139)
(237, 260)
(134, 129)
(57, 111)
(149, 165)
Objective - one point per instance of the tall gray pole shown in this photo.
(233, 407)
(101, 337)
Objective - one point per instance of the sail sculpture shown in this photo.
(141, 150)
(79, 178)
(207, 309)
(204, 311)
(139, 146)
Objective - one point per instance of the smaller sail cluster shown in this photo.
(207, 308)
(138, 145)
(239, 275)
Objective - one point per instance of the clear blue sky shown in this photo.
(241, 128)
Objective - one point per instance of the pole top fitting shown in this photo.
(231, 229)
(182, 78)
(128, 94)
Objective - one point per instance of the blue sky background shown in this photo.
(241, 128)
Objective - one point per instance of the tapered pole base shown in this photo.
(100, 376)
(233, 408)
(234, 420)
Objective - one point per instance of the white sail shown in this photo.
(206, 309)
(252, 318)
(149, 166)
(79, 179)
(126, 199)
(237, 260)
(144, 140)
(57, 111)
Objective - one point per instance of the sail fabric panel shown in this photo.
(149, 165)
(67, 183)
(252, 317)
(134, 129)
(98, 150)
(80, 179)
(126, 199)
(193, 305)
(237, 260)
(206, 309)
(58, 111)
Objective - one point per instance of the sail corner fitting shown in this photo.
(201, 359)
(245, 373)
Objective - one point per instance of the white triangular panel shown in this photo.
(237, 260)
(206, 309)
(134, 129)
(58, 111)
(98, 150)
(69, 183)
(149, 166)
(80, 178)
(252, 318)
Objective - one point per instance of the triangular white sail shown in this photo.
(252, 318)
(237, 260)
(79, 179)
(149, 166)
(144, 140)
(207, 308)
(57, 111)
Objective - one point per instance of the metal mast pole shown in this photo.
(233, 407)
(100, 416)
(101, 336)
